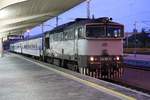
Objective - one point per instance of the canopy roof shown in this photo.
(16, 16)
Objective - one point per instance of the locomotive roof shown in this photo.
(79, 21)
(33, 37)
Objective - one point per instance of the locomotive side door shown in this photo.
(76, 44)
(46, 44)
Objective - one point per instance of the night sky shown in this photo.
(126, 12)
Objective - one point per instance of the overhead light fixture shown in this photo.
(3, 13)
(28, 30)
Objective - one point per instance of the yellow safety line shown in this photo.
(85, 82)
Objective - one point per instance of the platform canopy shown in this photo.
(16, 16)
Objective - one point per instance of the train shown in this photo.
(90, 46)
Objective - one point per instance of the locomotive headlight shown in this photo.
(117, 58)
(91, 58)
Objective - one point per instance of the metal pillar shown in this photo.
(127, 41)
(43, 44)
(57, 19)
(135, 38)
(88, 8)
(1, 47)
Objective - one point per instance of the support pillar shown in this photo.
(43, 44)
(1, 47)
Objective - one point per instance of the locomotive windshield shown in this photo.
(97, 31)
(114, 32)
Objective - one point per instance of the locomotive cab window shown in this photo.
(80, 33)
(113, 31)
(95, 31)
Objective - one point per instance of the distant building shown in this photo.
(139, 40)
(145, 30)
(128, 34)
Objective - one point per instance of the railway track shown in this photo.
(134, 78)
(138, 68)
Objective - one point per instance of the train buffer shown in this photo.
(28, 79)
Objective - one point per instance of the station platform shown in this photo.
(22, 78)
(138, 60)
(138, 57)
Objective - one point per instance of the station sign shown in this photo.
(15, 37)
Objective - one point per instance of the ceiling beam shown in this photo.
(27, 18)
(18, 15)
(17, 27)
(5, 3)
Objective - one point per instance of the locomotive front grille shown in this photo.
(99, 60)
(111, 58)
(105, 67)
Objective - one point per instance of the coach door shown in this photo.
(45, 46)
(47, 43)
